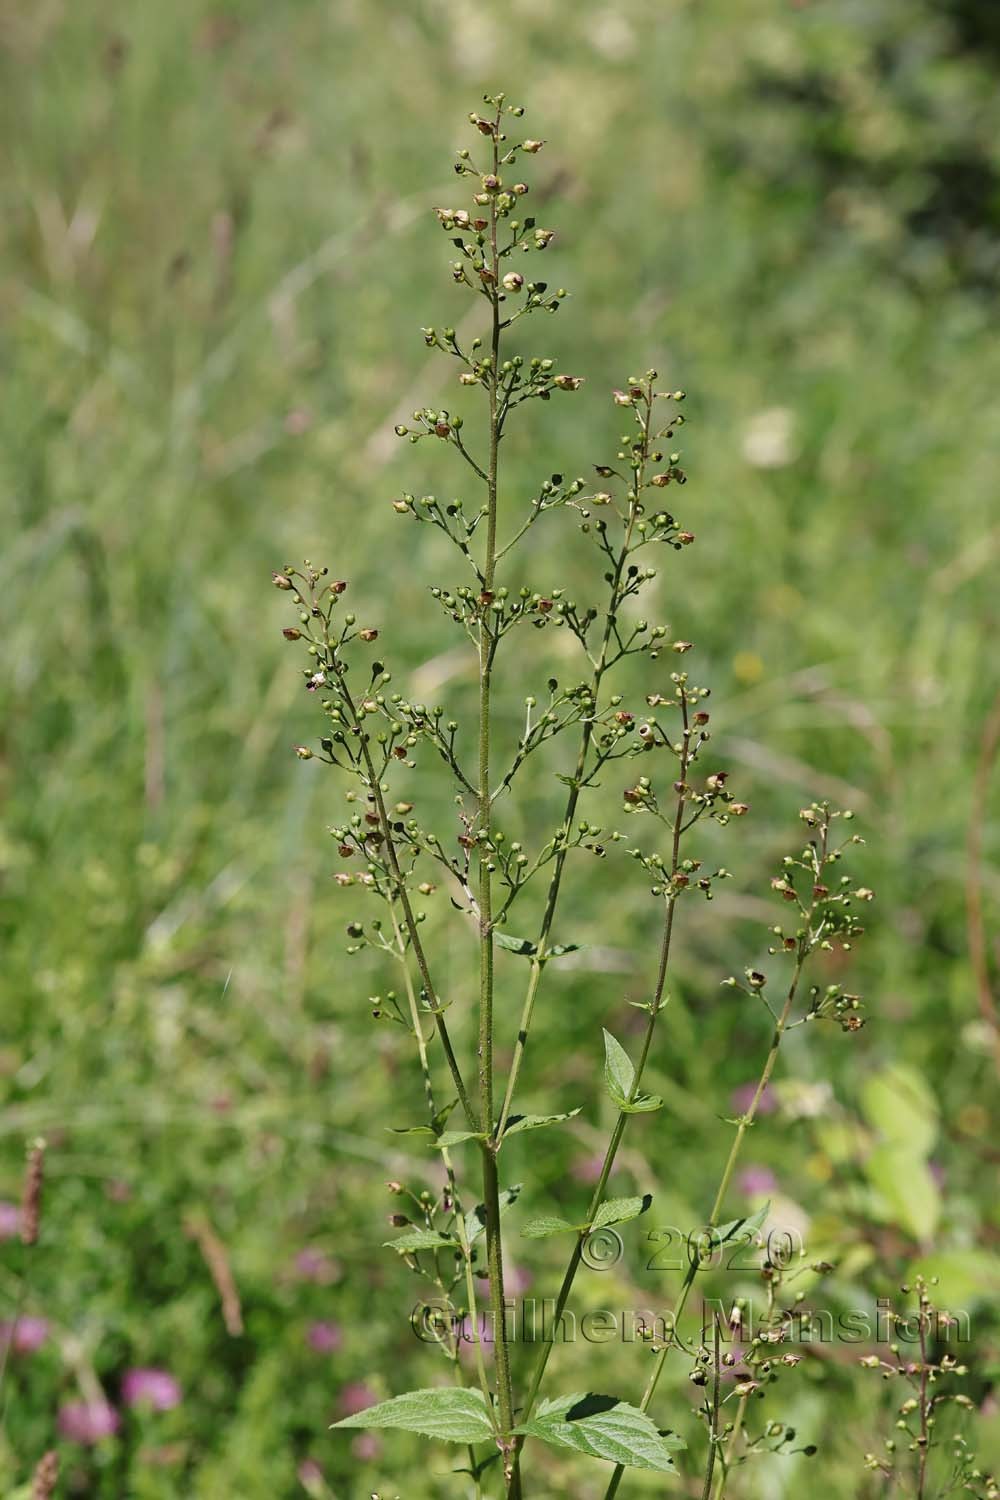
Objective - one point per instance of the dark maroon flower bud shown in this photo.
(339, 586)
(442, 429)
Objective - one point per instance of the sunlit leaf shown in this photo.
(603, 1427)
(421, 1239)
(620, 1210)
(452, 1413)
(546, 1224)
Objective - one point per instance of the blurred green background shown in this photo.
(217, 252)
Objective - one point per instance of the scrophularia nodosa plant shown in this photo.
(657, 751)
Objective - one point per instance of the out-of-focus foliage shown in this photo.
(217, 253)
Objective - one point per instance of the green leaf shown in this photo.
(899, 1104)
(475, 1219)
(517, 1123)
(421, 1239)
(523, 946)
(619, 1074)
(558, 949)
(751, 1225)
(433, 1129)
(620, 1210)
(456, 1137)
(541, 1228)
(452, 1413)
(440, 1120)
(603, 1427)
(642, 1104)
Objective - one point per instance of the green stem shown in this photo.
(484, 829)
(655, 1007)
(555, 883)
(729, 1451)
(713, 1428)
(385, 828)
(805, 947)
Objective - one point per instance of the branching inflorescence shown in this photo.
(376, 736)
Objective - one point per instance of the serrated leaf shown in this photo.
(421, 1239)
(603, 1427)
(456, 1137)
(523, 946)
(475, 1219)
(518, 1123)
(619, 1074)
(620, 1210)
(541, 1228)
(452, 1413)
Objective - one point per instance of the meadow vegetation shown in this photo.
(217, 255)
